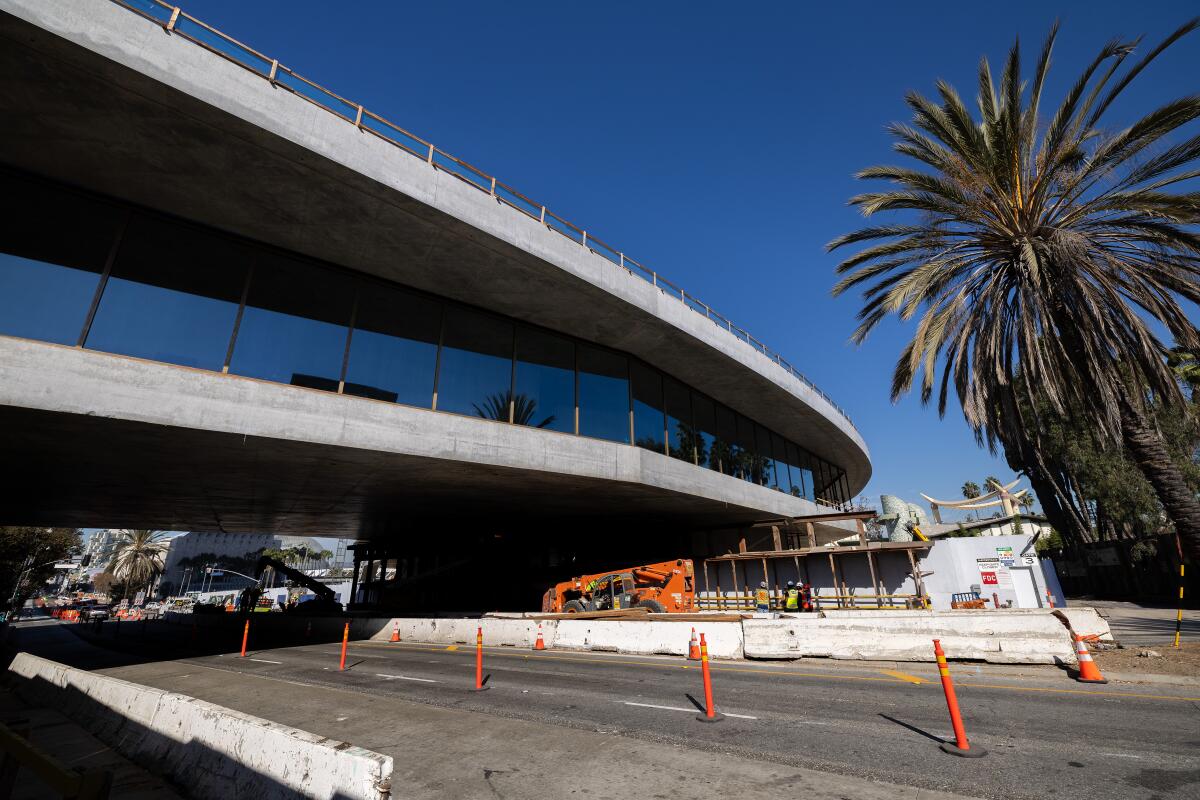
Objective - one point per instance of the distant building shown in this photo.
(188, 556)
(101, 546)
(184, 566)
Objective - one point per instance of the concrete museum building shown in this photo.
(231, 300)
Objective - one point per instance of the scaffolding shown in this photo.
(801, 538)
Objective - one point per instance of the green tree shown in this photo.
(138, 558)
(970, 490)
(1043, 253)
(27, 557)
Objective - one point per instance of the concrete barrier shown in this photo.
(215, 752)
(496, 632)
(1015, 636)
(1085, 621)
(994, 637)
(647, 638)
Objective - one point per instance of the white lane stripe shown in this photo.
(687, 710)
(263, 660)
(402, 678)
(664, 708)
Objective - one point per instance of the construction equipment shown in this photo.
(325, 601)
(666, 587)
(967, 600)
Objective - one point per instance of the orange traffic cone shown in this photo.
(1088, 671)
(395, 631)
(694, 648)
(540, 644)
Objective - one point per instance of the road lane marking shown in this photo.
(263, 660)
(452, 647)
(402, 678)
(903, 676)
(687, 710)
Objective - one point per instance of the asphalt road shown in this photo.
(1047, 735)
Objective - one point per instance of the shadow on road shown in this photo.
(914, 729)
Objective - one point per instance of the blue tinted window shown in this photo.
(782, 474)
(646, 386)
(806, 475)
(393, 352)
(53, 246)
(749, 466)
(821, 477)
(545, 391)
(705, 411)
(295, 324)
(681, 435)
(796, 472)
(765, 466)
(726, 447)
(603, 394)
(475, 373)
(172, 296)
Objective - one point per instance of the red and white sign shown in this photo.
(989, 578)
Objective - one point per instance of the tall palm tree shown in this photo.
(970, 490)
(138, 558)
(1187, 368)
(1040, 255)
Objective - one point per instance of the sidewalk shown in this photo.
(75, 747)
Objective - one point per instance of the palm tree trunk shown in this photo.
(1154, 460)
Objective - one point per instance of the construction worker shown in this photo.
(762, 598)
(791, 602)
(806, 597)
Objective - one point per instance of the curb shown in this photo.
(1138, 677)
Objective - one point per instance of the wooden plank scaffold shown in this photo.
(843, 596)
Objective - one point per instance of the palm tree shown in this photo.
(1041, 258)
(970, 490)
(138, 558)
(495, 407)
(1187, 368)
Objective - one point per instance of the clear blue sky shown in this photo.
(712, 142)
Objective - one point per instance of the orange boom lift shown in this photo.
(666, 587)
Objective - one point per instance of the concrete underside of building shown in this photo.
(95, 97)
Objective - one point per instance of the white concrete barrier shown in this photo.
(1085, 621)
(496, 632)
(645, 638)
(216, 752)
(994, 637)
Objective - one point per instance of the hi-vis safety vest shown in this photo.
(762, 597)
(793, 599)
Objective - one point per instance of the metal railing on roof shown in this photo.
(175, 21)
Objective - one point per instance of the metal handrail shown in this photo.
(170, 17)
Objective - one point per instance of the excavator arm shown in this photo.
(296, 576)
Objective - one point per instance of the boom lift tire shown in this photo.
(573, 607)
(652, 605)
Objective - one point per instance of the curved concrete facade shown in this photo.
(187, 132)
